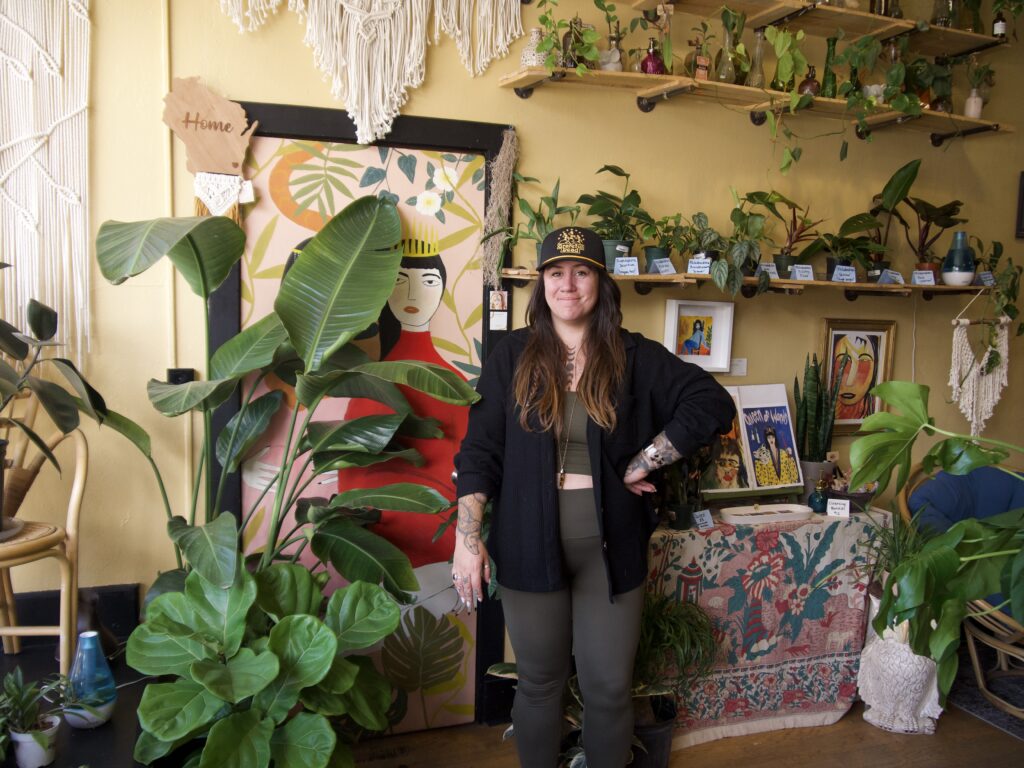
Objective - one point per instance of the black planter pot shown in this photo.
(832, 263)
(874, 273)
(783, 263)
(657, 738)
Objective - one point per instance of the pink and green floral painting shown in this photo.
(434, 314)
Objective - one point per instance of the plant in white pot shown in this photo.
(30, 718)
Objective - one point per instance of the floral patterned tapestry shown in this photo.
(788, 602)
(434, 314)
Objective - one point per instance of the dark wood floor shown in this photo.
(960, 740)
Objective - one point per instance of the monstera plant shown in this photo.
(257, 662)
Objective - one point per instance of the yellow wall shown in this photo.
(684, 157)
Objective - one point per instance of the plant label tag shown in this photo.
(985, 278)
(771, 269)
(622, 248)
(801, 272)
(922, 277)
(246, 194)
(663, 267)
(700, 265)
(627, 265)
(890, 277)
(702, 519)
(838, 508)
(844, 273)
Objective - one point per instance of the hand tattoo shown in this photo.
(658, 454)
(471, 512)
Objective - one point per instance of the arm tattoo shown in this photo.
(471, 513)
(658, 454)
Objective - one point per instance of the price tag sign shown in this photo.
(985, 278)
(838, 508)
(702, 519)
(699, 266)
(844, 273)
(663, 267)
(890, 277)
(770, 268)
(922, 277)
(627, 265)
(801, 272)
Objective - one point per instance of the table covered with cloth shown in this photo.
(788, 603)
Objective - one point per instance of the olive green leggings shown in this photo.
(547, 628)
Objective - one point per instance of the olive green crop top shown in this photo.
(577, 456)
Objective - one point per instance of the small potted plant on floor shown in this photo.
(548, 214)
(617, 219)
(30, 713)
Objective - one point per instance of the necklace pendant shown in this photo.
(561, 478)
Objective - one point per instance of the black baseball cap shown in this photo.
(571, 244)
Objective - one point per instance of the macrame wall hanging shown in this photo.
(374, 51)
(976, 389)
(44, 215)
(500, 172)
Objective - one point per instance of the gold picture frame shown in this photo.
(868, 344)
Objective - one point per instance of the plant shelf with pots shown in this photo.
(948, 42)
(940, 125)
(643, 284)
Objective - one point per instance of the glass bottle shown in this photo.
(91, 684)
(652, 63)
(960, 262)
(999, 26)
(817, 501)
(828, 79)
(755, 77)
(726, 72)
(895, 11)
(810, 84)
(944, 13)
(880, 7)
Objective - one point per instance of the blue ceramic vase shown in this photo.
(958, 266)
(91, 685)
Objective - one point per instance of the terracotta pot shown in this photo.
(931, 266)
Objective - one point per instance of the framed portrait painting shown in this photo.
(866, 346)
(700, 332)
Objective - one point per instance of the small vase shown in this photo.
(611, 60)
(810, 84)
(36, 748)
(944, 13)
(941, 104)
(973, 104)
(91, 685)
(828, 80)
(726, 72)
(530, 56)
(652, 63)
(755, 77)
(958, 266)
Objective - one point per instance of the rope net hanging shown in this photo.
(374, 51)
(44, 216)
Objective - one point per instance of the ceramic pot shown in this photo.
(931, 266)
(874, 272)
(614, 249)
(831, 263)
(652, 252)
(973, 104)
(784, 263)
(812, 472)
(959, 264)
(36, 748)
(530, 56)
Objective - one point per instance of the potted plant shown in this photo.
(668, 234)
(31, 718)
(855, 243)
(798, 228)
(697, 62)
(248, 641)
(738, 61)
(1002, 298)
(893, 193)
(926, 592)
(815, 419)
(942, 87)
(977, 76)
(928, 224)
(919, 77)
(743, 254)
(618, 219)
(680, 490)
(565, 42)
(539, 220)
(701, 239)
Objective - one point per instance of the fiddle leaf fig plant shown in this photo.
(258, 661)
(931, 589)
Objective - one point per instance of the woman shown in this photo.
(695, 344)
(860, 354)
(772, 466)
(557, 441)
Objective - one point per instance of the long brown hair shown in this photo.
(541, 379)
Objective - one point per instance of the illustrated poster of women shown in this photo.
(435, 315)
(860, 350)
(770, 440)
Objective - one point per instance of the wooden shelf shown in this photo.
(946, 41)
(825, 20)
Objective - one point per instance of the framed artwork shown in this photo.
(700, 332)
(305, 166)
(867, 345)
(1020, 208)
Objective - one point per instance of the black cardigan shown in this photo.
(516, 468)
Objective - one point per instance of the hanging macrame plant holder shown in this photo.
(975, 391)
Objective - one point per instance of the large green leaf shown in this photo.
(168, 581)
(397, 497)
(285, 589)
(305, 741)
(241, 740)
(211, 549)
(203, 248)
(361, 555)
(360, 615)
(250, 350)
(58, 404)
(42, 320)
(341, 280)
(168, 642)
(305, 648)
(222, 611)
(242, 676)
(368, 700)
(367, 433)
(434, 380)
(171, 711)
(898, 186)
(89, 400)
(35, 439)
(149, 748)
(245, 428)
(326, 697)
(425, 652)
(129, 430)
(328, 460)
(10, 343)
(176, 399)
(349, 384)
(961, 455)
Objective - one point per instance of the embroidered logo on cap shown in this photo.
(570, 242)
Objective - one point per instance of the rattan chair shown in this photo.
(37, 541)
(984, 624)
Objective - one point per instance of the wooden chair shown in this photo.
(983, 624)
(37, 541)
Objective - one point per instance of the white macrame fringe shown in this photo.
(44, 214)
(373, 51)
(975, 392)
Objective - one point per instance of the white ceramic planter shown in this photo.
(37, 748)
(973, 104)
